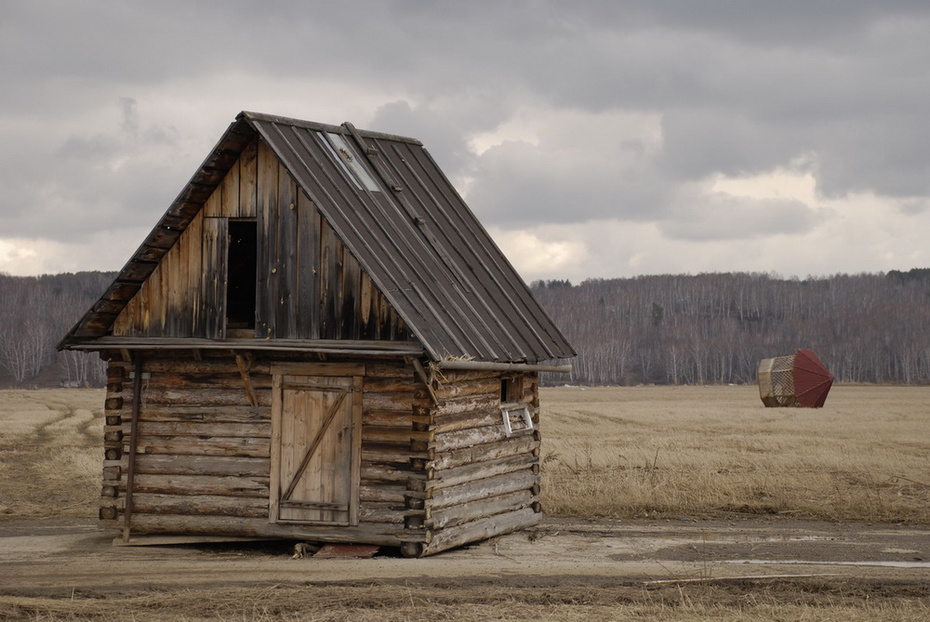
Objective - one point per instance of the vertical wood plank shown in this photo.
(307, 292)
(330, 277)
(142, 310)
(194, 269)
(248, 175)
(155, 305)
(365, 315)
(268, 268)
(174, 283)
(213, 206)
(215, 249)
(229, 198)
(351, 283)
(286, 311)
(122, 325)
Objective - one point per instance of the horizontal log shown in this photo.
(370, 491)
(395, 402)
(213, 414)
(316, 368)
(195, 446)
(480, 470)
(380, 434)
(458, 514)
(203, 465)
(388, 369)
(389, 473)
(457, 439)
(490, 386)
(227, 381)
(483, 488)
(393, 418)
(512, 446)
(203, 430)
(385, 534)
(394, 454)
(207, 397)
(468, 419)
(199, 505)
(481, 529)
(372, 512)
(225, 364)
(192, 485)
(391, 384)
(468, 403)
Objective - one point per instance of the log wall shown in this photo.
(202, 462)
(480, 482)
(434, 475)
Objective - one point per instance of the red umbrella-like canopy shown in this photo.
(812, 379)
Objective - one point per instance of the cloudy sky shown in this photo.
(593, 139)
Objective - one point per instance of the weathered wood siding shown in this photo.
(309, 286)
(202, 461)
(480, 481)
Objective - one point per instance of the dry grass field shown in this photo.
(631, 453)
(699, 451)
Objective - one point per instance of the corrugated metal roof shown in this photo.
(399, 215)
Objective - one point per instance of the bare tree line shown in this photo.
(36, 312)
(669, 329)
(715, 328)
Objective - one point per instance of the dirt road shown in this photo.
(60, 557)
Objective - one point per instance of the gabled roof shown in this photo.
(402, 220)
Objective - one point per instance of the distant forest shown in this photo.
(703, 329)
(35, 313)
(715, 328)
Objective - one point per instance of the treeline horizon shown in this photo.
(657, 329)
(715, 328)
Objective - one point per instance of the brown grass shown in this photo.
(51, 452)
(622, 452)
(699, 451)
(607, 451)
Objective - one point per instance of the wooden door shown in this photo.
(316, 439)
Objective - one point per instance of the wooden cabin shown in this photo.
(318, 341)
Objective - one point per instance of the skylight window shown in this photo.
(354, 168)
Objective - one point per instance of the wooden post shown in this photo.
(244, 367)
(133, 443)
(418, 366)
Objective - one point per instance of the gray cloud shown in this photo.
(108, 108)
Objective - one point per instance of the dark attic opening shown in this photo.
(240, 276)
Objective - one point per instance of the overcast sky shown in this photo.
(592, 139)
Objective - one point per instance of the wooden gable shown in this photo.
(308, 285)
(358, 235)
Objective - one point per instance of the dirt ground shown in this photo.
(65, 561)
